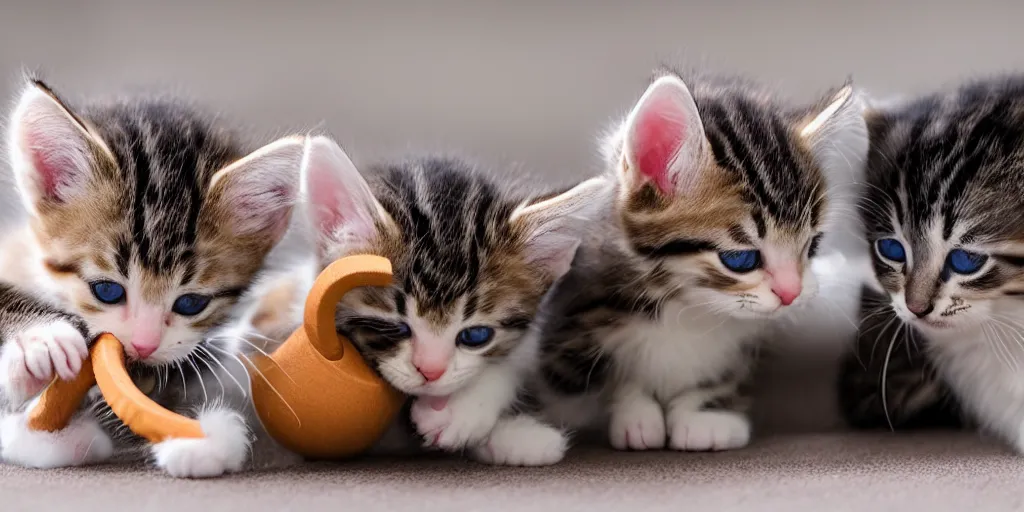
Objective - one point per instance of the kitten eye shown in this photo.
(740, 261)
(812, 249)
(191, 304)
(107, 292)
(892, 250)
(965, 262)
(402, 330)
(475, 337)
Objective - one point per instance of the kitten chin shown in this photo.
(723, 201)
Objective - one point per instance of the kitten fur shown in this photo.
(150, 194)
(944, 174)
(649, 336)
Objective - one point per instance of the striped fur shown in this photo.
(944, 174)
(650, 332)
(151, 194)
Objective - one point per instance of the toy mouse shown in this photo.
(335, 407)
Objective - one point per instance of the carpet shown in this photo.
(936, 471)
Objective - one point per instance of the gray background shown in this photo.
(524, 85)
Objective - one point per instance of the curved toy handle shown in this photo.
(106, 367)
(328, 289)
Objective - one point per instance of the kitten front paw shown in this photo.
(522, 441)
(699, 431)
(223, 450)
(637, 424)
(29, 360)
(452, 424)
(82, 442)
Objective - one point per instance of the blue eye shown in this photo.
(475, 336)
(740, 261)
(892, 250)
(965, 262)
(107, 292)
(402, 330)
(190, 304)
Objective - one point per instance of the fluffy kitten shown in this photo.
(146, 221)
(721, 199)
(472, 261)
(946, 221)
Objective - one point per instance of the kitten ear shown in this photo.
(257, 193)
(663, 138)
(53, 153)
(555, 226)
(341, 207)
(837, 134)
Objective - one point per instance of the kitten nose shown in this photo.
(431, 374)
(921, 310)
(786, 295)
(143, 350)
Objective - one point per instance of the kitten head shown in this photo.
(471, 263)
(943, 208)
(150, 220)
(728, 192)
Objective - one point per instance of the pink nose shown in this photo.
(431, 374)
(786, 295)
(144, 351)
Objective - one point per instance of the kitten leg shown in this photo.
(637, 421)
(82, 442)
(224, 449)
(708, 419)
(30, 358)
(468, 415)
(522, 440)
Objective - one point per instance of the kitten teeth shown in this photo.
(708, 431)
(82, 442)
(522, 441)
(223, 450)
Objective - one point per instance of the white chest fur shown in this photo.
(687, 346)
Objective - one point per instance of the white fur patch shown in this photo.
(82, 442)
(522, 441)
(708, 430)
(224, 449)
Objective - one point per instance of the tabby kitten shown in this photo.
(147, 221)
(721, 199)
(472, 261)
(945, 219)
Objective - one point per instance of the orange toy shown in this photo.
(315, 395)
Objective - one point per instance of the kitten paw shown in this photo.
(29, 360)
(223, 450)
(522, 441)
(451, 424)
(638, 424)
(698, 431)
(82, 442)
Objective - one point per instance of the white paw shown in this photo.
(29, 360)
(698, 431)
(522, 441)
(82, 442)
(223, 450)
(638, 424)
(450, 424)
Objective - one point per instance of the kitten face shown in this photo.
(943, 211)
(470, 264)
(150, 222)
(727, 193)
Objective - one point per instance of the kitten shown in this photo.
(472, 261)
(147, 221)
(721, 200)
(944, 215)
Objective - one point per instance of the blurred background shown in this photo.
(524, 85)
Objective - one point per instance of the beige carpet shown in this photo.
(835, 472)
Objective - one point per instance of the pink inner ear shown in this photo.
(658, 135)
(54, 160)
(335, 202)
